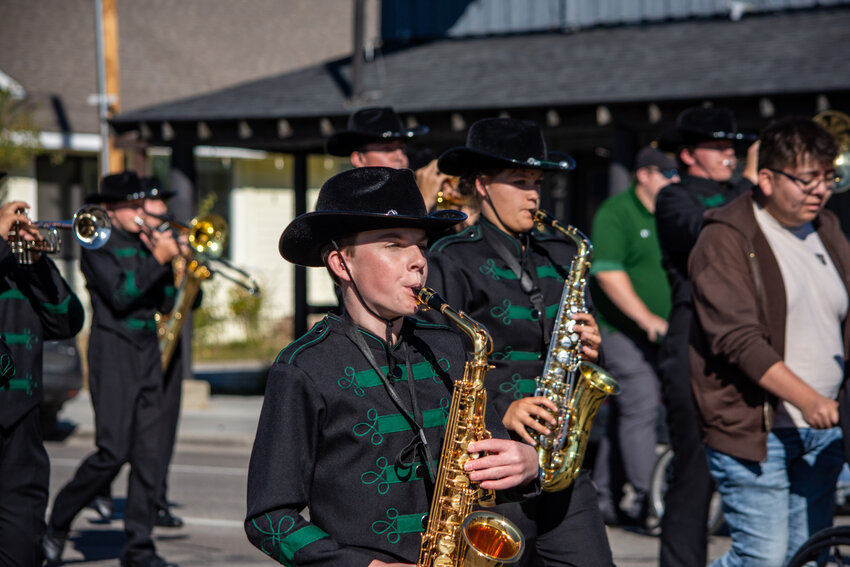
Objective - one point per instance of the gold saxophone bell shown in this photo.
(838, 124)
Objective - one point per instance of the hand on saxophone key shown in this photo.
(506, 464)
(527, 413)
(588, 331)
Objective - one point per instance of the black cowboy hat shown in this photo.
(154, 189)
(124, 186)
(357, 200)
(702, 124)
(501, 143)
(369, 125)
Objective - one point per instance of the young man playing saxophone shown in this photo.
(354, 410)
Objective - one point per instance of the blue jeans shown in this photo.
(773, 507)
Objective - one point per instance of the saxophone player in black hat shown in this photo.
(509, 276)
(354, 411)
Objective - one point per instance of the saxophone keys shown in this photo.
(446, 547)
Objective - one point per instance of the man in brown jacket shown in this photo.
(770, 276)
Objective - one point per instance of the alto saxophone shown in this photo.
(456, 536)
(576, 386)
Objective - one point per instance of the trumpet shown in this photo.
(90, 224)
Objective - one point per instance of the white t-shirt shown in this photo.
(817, 304)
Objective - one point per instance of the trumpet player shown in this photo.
(36, 304)
(355, 410)
(130, 279)
(509, 277)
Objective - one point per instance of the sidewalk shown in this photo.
(226, 421)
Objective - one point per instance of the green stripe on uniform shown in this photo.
(288, 546)
(395, 422)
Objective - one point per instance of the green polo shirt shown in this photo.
(625, 239)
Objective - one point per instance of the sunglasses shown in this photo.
(667, 173)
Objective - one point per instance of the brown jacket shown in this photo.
(739, 330)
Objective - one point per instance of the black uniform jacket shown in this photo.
(331, 438)
(679, 210)
(128, 286)
(36, 305)
(466, 270)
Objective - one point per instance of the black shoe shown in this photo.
(52, 545)
(165, 519)
(103, 506)
(153, 561)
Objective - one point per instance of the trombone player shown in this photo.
(151, 227)
(130, 279)
(156, 209)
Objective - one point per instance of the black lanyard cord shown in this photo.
(527, 280)
(414, 416)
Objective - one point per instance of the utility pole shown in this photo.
(108, 82)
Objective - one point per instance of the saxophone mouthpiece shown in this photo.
(429, 298)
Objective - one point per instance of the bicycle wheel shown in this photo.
(829, 547)
(662, 473)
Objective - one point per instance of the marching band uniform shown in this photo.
(473, 271)
(329, 433)
(128, 286)
(36, 304)
(357, 442)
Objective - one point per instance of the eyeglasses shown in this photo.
(667, 173)
(829, 178)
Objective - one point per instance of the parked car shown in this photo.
(63, 378)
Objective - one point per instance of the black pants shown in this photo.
(562, 528)
(172, 387)
(126, 390)
(24, 479)
(684, 535)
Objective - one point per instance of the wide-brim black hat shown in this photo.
(357, 200)
(124, 186)
(501, 143)
(702, 124)
(369, 125)
(153, 188)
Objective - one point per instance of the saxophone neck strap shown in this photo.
(419, 444)
(527, 280)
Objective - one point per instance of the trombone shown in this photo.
(90, 224)
(207, 236)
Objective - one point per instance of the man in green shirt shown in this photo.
(632, 295)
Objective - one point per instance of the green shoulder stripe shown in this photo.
(314, 335)
(470, 233)
(430, 325)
